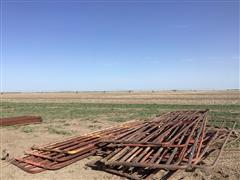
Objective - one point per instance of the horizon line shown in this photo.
(129, 90)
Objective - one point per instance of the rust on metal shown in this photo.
(20, 120)
(136, 149)
(60, 154)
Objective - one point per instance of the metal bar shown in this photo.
(20, 120)
(196, 142)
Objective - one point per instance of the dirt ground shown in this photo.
(18, 139)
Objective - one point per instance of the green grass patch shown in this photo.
(27, 129)
(114, 112)
(57, 130)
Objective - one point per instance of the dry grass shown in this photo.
(156, 97)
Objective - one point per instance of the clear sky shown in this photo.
(109, 45)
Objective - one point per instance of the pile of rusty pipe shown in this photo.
(20, 120)
(181, 143)
(175, 140)
(62, 153)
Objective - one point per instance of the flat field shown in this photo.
(131, 97)
(69, 114)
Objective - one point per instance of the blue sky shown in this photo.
(107, 45)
